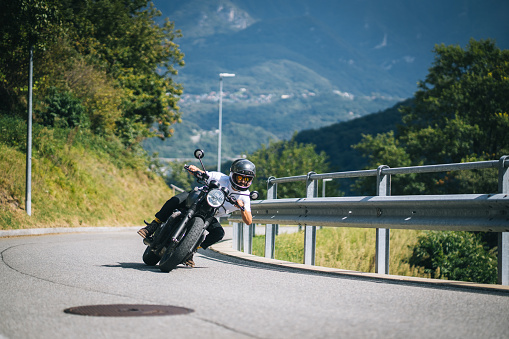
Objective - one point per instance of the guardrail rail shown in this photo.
(456, 212)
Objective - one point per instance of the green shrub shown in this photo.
(62, 109)
(13, 132)
(456, 256)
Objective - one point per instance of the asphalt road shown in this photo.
(41, 276)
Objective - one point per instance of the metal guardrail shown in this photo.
(449, 212)
(465, 212)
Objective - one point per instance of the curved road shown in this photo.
(41, 276)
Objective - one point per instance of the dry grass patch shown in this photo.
(347, 248)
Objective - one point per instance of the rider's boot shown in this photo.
(148, 230)
(189, 261)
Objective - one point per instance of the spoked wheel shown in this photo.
(171, 259)
(150, 258)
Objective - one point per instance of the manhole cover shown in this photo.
(127, 310)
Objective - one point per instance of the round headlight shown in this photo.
(215, 198)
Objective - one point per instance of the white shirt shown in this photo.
(228, 208)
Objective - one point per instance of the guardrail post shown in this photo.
(270, 229)
(503, 237)
(383, 188)
(310, 231)
(237, 236)
(248, 238)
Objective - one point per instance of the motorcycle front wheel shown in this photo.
(170, 260)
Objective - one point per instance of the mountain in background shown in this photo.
(336, 140)
(303, 64)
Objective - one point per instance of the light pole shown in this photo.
(221, 76)
(28, 193)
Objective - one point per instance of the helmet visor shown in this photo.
(242, 180)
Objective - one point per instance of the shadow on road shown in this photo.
(134, 266)
(142, 267)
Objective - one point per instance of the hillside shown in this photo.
(303, 64)
(77, 180)
(336, 140)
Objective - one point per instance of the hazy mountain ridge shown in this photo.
(394, 35)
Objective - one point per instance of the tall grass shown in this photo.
(347, 248)
(77, 179)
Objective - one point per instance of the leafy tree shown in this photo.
(460, 112)
(285, 159)
(25, 24)
(112, 55)
(464, 96)
(62, 67)
(123, 38)
(455, 256)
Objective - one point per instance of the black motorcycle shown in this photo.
(179, 237)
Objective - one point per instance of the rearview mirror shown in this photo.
(254, 195)
(198, 154)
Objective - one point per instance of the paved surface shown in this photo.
(41, 276)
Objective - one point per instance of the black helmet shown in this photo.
(242, 172)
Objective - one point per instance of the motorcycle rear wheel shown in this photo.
(150, 258)
(170, 260)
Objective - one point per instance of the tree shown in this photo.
(25, 24)
(461, 109)
(123, 38)
(112, 55)
(285, 159)
(63, 68)
(460, 112)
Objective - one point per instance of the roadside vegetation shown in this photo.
(78, 179)
(348, 248)
(102, 82)
(462, 256)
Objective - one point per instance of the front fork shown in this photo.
(206, 224)
(178, 232)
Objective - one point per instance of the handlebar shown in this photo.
(197, 174)
(234, 201)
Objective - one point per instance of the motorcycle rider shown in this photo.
(242, 173)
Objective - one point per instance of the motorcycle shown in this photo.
(177, 239)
